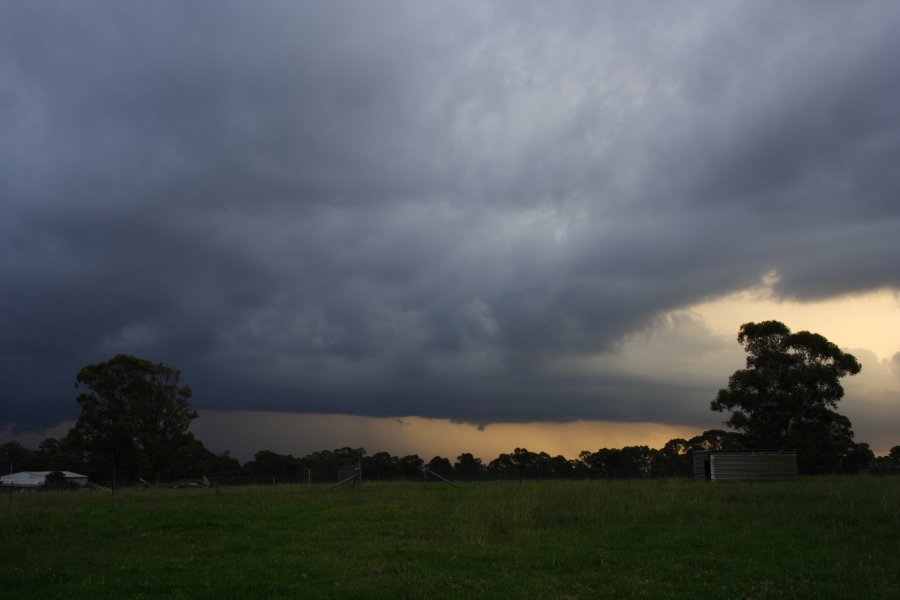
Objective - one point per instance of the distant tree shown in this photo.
(441, 466)
(785, 396)
(578, 469)
(13, 457)
(133, 412)
(592, 467)
(271, 464)
(381, 465)
(347, 455)
(599, 462)
(59, 455)
(468, 467)
(523, 464)
(504, 467)
(526, 462)
(411, 466)
(223, 464)
(634, 461)
(195, 460)
(56, 480)
(888, 465)
(672, 460)
(716, 439)
(328, 463)
(627, 463)
(858, 458)
(558, 467)
(321, 461)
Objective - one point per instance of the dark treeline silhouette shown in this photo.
(135, 424)
(673, 460)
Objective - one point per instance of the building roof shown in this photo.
(35, 478)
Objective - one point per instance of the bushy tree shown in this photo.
(625, 463)
(716, 439)
(441, 466)
(785, 397)
(888, 465)
(411, 466)
(14, 457)
(381, 465)
(56, 481)
(672, 460)
(60, 455)
(468, 466)
(134, 413)
(272, 464)
(194, 460)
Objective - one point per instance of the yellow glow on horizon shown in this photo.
(870, 321)
(246, 432)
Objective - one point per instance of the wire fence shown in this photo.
(356, 473)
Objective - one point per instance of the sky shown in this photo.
(445, 226)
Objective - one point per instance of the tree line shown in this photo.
(673, 460)
(135, 420)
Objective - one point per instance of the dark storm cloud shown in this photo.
(416, 208)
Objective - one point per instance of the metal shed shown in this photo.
(745, 465)
(35, 479)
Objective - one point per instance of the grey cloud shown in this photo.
(413, 210)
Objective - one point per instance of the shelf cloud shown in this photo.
(429, 209)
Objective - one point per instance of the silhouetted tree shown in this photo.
(716, 439)
(441, 466)
(626, 463)
(13, 457)
(272, 464)
(785, 396)
(56, 481)
(60, 455)
(521, 464)
(858, 458)
(578, 468)
(411, 466)
(195, 460)
(133, 412)
(672, 460)
(468, 467)
(558, 467)
(888, 465)
(381, 465)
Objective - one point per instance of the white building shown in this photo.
(35, 479)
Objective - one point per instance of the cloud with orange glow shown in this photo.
(512, 215)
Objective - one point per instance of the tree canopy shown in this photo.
(134, 414)
(786, 396)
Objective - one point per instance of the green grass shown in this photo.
(814, 538)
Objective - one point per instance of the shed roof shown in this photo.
(36, 478)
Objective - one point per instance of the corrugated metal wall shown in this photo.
(739, 466)
(23, 479)
(700, 459)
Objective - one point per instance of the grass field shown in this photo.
(815, 538)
